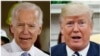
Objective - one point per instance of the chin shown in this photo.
(25, 47)
(76, 46)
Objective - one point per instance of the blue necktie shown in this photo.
(76, 54)
(25, 54)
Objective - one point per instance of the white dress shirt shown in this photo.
(83, 52)
(15, 50)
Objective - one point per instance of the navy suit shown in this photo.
(60, 50)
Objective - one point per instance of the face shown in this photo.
(25, 28)
(76, 30)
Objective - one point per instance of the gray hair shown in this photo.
(73, 9)
(27, 5)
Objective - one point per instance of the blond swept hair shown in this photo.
(74, 9)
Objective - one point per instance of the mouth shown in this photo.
(76, 37)
(25, 39)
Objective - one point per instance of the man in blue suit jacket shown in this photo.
(60, 50)
(76, 28)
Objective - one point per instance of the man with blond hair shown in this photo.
(76, 28)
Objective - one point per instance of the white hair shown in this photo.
(30, 6)
(74, 9)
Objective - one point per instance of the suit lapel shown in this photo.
(93, 50)
(63, 51)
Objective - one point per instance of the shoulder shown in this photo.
(59, 50)
(95, 45)
(58, 47)
(4, 52)
(39, 52)
(7, 47)
(94, 48)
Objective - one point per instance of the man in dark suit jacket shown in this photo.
(60, 50)
(76, 28)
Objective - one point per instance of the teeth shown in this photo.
(76, 37)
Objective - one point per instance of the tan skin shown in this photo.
(25, 28)
(78, 25)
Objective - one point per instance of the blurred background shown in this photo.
(55, 12)
(44, 38)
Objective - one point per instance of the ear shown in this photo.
(11, 29)
(39, 30)
(61, 29)
(91, 27)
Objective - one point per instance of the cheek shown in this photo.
(17, 32)
(34, 37)
(88, 29)
(34, 33)
(86, 32)
(67, 31)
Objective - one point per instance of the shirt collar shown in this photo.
(31, 51)
(82, 52)
(85, 51)
(17, 49)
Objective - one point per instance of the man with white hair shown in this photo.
(76, 28)
(26, 25)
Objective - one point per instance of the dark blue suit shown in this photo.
(60, 50)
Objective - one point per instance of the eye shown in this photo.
(70, 23)
(31, 25)
(81, 22)
(20, 25)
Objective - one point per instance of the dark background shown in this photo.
(44, 5)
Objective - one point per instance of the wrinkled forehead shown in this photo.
(26, 16)
(32, 11)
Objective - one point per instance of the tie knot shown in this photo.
(25, 54)
(76, 54)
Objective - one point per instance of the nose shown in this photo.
(25, 30)
(76, 28)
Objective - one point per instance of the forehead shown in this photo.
(84, 16)
(26, 15)
(27, 12)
